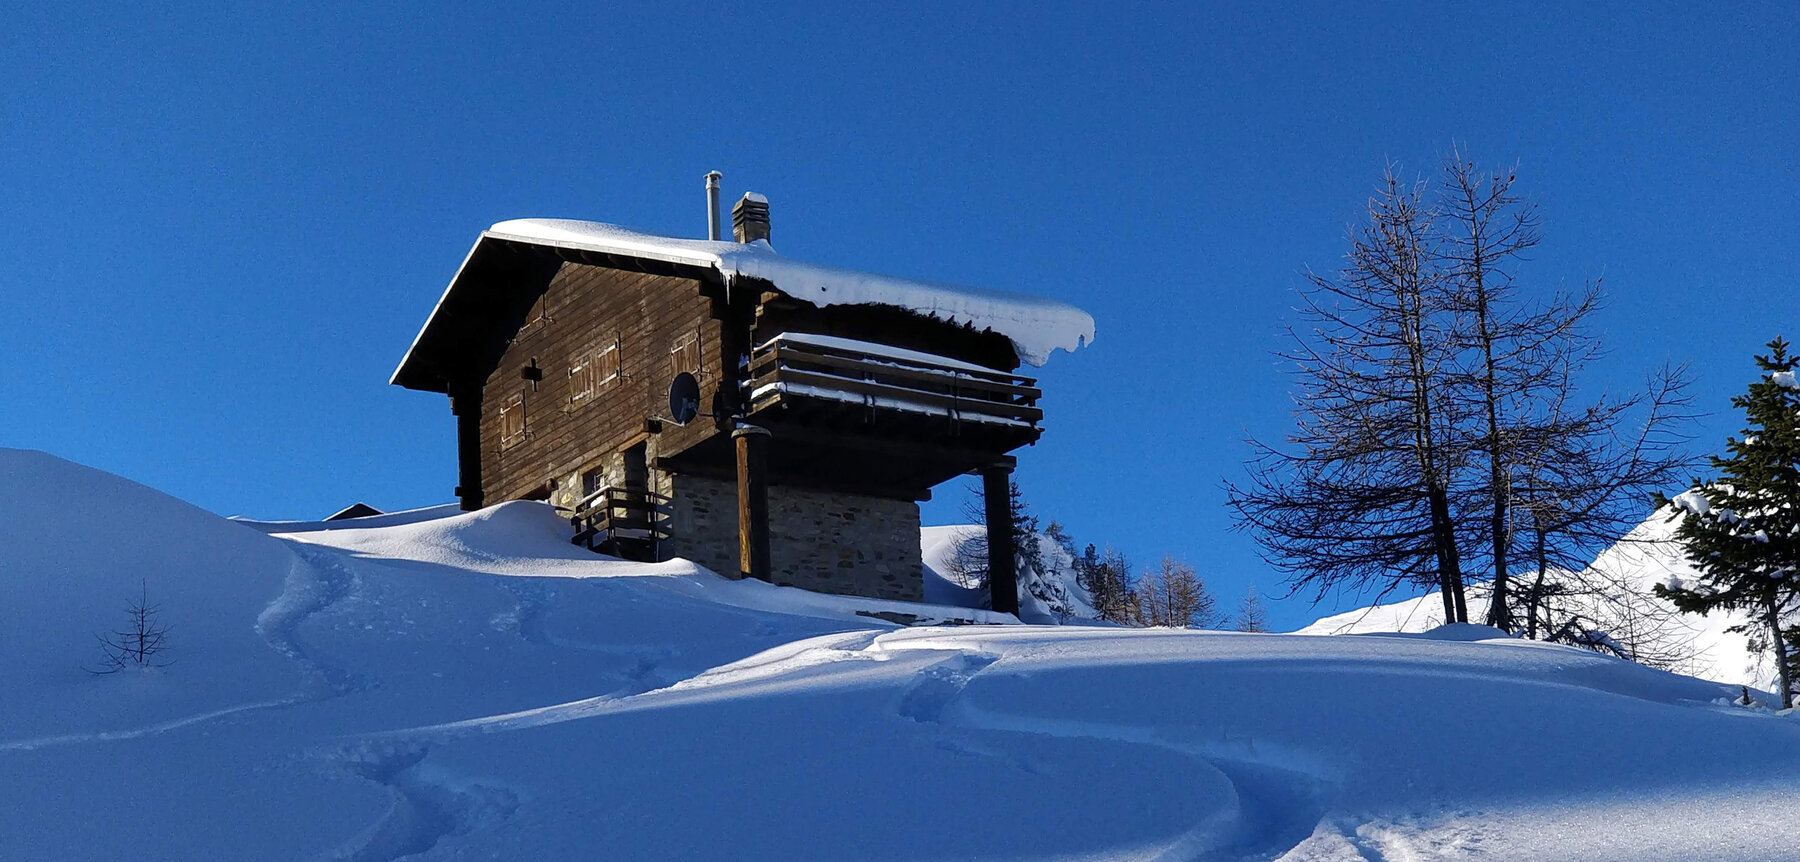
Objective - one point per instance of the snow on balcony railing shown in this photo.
(884, 377)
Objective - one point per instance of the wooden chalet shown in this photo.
(715, 401)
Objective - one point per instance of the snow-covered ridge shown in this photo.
(1643, 558)
(1036, 325)
(438, 685)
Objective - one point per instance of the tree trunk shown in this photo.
(1536, 598)
(1498, 485)
(1773, 617)
(1462, 604)
(1499, 615)
(1443, 531)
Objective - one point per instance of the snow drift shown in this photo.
(446, 686)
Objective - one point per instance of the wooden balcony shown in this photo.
(622, 522)
(841, 384)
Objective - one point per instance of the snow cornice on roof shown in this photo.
(1035, 325)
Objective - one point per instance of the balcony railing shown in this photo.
(623, 522)
(876, 377)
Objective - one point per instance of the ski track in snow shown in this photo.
(1276, 807)
(147, 730)
(527, 618)
(426, 806)
(430, 805)
(1280, 797)
(319, 580)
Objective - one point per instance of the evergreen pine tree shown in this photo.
(1107, 581)
(1742, 530)
(969, 564)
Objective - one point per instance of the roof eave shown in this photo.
(400, 371)
(663, 255)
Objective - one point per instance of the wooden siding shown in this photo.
(603, 342)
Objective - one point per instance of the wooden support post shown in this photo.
(753, 501)
(1002, 545)
(465, 405)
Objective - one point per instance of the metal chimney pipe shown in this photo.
(712, 204)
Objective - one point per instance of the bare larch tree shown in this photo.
(1363, 493)
(1437, 416)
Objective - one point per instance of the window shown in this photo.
(590, 371)
(512, 422)
(593, 480)
(685, 355)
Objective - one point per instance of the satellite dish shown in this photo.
(684, 398)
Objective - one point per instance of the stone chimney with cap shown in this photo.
(750, 218)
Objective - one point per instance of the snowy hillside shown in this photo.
(1644, 557)
(440, 685)
(940, 545)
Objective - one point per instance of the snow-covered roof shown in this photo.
(1035, 325)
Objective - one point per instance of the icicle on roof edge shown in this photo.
(1035, 325)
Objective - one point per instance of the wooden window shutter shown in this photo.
(685, 355)
(606, 365)
(581, 378)
(512, 422)
(539, 313)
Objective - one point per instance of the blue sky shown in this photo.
(224, 225)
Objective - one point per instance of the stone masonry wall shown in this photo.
(818, 540)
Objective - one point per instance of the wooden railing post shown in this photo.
(1002, 545)
(753, 501)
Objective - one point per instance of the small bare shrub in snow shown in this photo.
(1251, 616)
(138, 644)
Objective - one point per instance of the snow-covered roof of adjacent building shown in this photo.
(1035, 325)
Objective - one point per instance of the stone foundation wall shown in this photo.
(818, 540)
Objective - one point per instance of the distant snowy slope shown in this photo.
(388, 519)
(937, 547)
(471, 686)
(1644, 557)
(1417, 614)
(940, 545)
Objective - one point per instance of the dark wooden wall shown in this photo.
(583, 309)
